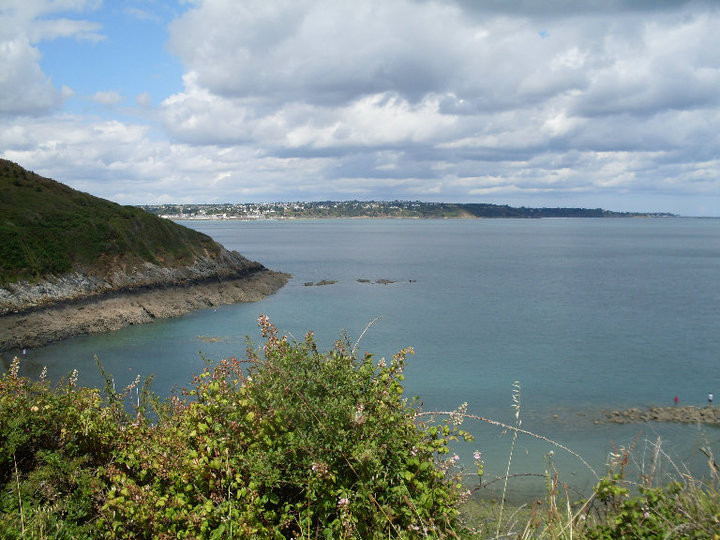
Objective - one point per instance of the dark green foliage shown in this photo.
(48, 228)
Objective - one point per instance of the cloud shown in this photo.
(465, 90)
(144, 99)
(107, 97)
(581, 103)
(24, 88)
(47, 29)
(142, 14)
(321, 52)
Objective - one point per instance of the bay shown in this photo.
(585, 314)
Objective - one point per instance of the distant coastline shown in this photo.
(375, 210)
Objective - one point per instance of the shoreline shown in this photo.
(417, 218)
(105, 313)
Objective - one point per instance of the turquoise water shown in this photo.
(586, 314)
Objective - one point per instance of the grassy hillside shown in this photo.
(48, 228)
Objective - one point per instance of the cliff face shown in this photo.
(78, 286)
(71, 263)
(112, 311)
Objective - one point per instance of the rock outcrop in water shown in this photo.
(686, 414)
(71, 264)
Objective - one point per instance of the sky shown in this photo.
(581, 103)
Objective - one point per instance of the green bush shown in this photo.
(688, 509)
(291, 442)
(52, 442)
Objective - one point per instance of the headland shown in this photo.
(72, 263)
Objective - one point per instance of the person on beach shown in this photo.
(676, 400)
(710, 397)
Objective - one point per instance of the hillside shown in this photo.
(72, 264)
(47, 228)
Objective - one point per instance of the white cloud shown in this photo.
(64, 28)
(107, 97)
(584, 103)
(24, 88)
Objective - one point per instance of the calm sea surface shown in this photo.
(587, 315)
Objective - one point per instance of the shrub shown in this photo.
(291, 442)
(298, 444)
(51, 443)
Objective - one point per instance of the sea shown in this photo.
(538, 324)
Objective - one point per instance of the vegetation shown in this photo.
(373, 209)
(47, 228)
(290, 442)
(298, 443)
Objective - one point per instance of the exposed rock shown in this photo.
(326, 282)
(75, 286)
(685, 414)
(115, 310)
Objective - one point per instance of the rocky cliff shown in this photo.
(114, 310)
(71, 263)
(79, 286)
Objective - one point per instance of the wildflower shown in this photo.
(14, 368)
(457, 416)
(320, 469)
(359, 417)
(343, 502)
(72, 381)
(132, 385)
(456, 457)
(43, 374)
(477, 455)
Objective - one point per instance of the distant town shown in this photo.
(373, 209)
